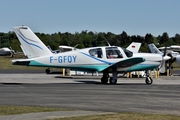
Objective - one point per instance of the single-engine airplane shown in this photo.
(173, 56)
(5, 51)
(88, 59)
(134, 47)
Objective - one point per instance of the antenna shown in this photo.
(76, 45)
(107, 42)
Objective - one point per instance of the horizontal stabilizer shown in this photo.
(24, 62)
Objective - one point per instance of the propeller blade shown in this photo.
(165, 50)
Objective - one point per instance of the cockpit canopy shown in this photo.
(110, 52)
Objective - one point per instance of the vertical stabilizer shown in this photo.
(31, 44)
(154, 49)
(134, 47)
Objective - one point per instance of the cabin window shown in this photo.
(113, 53)
(96, 52)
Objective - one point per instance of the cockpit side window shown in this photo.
(113, 53)
(96, 52)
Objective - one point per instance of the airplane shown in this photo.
(175, 56)
(87, 59)
(53, 51)
(168, 50)
(64, 48)
(175, 48)
(154, 49)
(5, 51)
(134, 47)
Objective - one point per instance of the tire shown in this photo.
(112, 81)
(47, 71)
(104, 80)
(149, 80)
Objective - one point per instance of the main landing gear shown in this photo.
(113, 79)
(47, 70)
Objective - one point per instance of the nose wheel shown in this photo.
(148, 80)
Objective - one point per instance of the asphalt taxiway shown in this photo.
(86, 93)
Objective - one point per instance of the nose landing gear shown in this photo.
(148, 80)
(113, 79)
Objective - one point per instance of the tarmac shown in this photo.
(61, 114)
(6, 79)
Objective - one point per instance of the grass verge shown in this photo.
(6, 64)
(124, 116)
(12, 110)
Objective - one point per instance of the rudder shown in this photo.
(154, 49)
(31, 44)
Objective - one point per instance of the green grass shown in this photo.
(12, 110)
(124, 116)
(6, 64)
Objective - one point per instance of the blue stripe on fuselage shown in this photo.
(109, 63)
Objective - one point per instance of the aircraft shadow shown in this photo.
(79, 82)
(99, 83)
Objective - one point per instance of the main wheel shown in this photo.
(112, 81)
(104, 80)
(149, 80)
(47, 71)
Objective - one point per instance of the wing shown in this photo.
(124, 64)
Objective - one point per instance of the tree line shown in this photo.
(91, 39)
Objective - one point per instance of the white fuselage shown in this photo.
(83, 59)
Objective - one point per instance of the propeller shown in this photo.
(165, 57)
(165, 51)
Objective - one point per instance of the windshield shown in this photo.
(127, 52)
(113, 52)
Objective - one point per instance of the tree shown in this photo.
(101, 39)
(164, 38)
(55, 39)
(149, 38)
(124, 38)
(176, 39)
